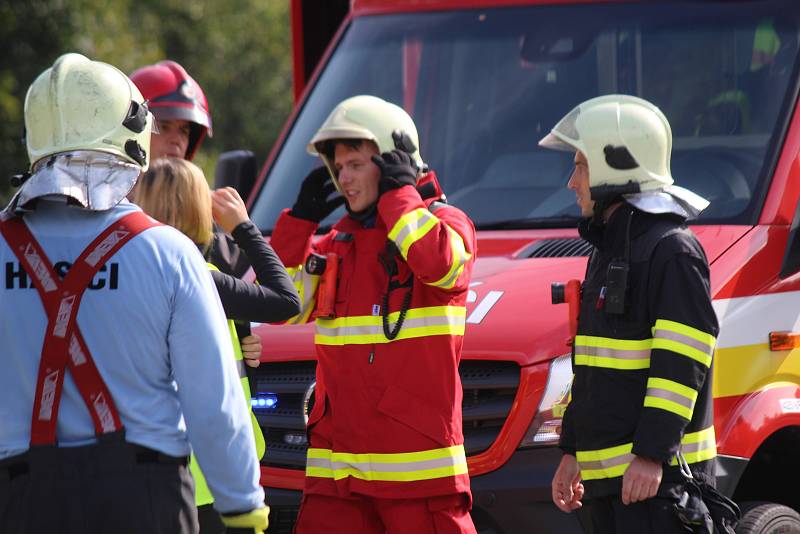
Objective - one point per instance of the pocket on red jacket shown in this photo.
(415, 413)
(318, 410)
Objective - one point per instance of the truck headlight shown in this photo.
(545, 428)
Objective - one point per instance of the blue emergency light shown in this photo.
(264, 401)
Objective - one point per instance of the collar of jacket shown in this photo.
(610, 237)
(350, 225)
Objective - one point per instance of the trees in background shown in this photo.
(238, 50)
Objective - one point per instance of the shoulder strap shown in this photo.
(63, 343)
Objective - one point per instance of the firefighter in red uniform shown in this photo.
(641, 408)
(386, 449)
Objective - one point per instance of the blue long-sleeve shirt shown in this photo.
(155, 327)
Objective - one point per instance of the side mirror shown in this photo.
(237, 169)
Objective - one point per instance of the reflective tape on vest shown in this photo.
(683, 339)
(368, 329)
(398, 467)
(625, 354)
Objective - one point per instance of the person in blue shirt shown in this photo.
(109, 382)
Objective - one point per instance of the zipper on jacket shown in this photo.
(371, 354)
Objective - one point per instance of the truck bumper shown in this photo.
(514, 499)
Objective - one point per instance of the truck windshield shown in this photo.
(483, 86)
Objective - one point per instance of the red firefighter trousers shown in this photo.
(447, 514)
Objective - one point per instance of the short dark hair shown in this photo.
(328, 148)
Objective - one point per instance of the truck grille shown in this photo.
(489, 391)
(557, 248)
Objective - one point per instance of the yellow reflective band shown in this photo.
(683, 339)
(668, 406)
(698, 446)
(623, 354)
(306, 285)
(368, 329)
(410, 228)
(460, 256)
(680, 328)
(605, 463)
(680, 348)
(400, 467)
(670, 396)
(608, 472)
(319, 472)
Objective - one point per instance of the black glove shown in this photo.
(312, 203)
(398, 168)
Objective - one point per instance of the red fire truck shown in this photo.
(484, 80)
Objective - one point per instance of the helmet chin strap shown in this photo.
(606, 195)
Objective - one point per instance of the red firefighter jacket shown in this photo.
(386, 421)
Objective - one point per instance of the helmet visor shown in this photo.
(181, 112)
(564, 135)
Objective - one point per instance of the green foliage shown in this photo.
(237, 50)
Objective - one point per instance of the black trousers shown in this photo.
(112, 486)
(653, 516)
(210, 520)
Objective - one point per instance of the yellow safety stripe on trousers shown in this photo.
(459, 259)
(306, 285)
(698, 446)
(605, 463)
(399, 467)
(683, 339)
(613, 461)
(670, 396)
(410, 228)
(625, 354)
(368, 329)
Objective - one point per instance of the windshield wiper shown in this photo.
(568, 221)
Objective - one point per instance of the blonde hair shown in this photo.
(175, 192)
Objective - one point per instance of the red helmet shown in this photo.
(174, 95)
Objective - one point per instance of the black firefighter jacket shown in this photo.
(642, 378)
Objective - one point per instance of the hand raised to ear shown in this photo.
(398, 169)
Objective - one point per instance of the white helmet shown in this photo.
(87, 133)
(626, 139)
(371, 118)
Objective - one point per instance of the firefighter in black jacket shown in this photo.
(642, 355)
